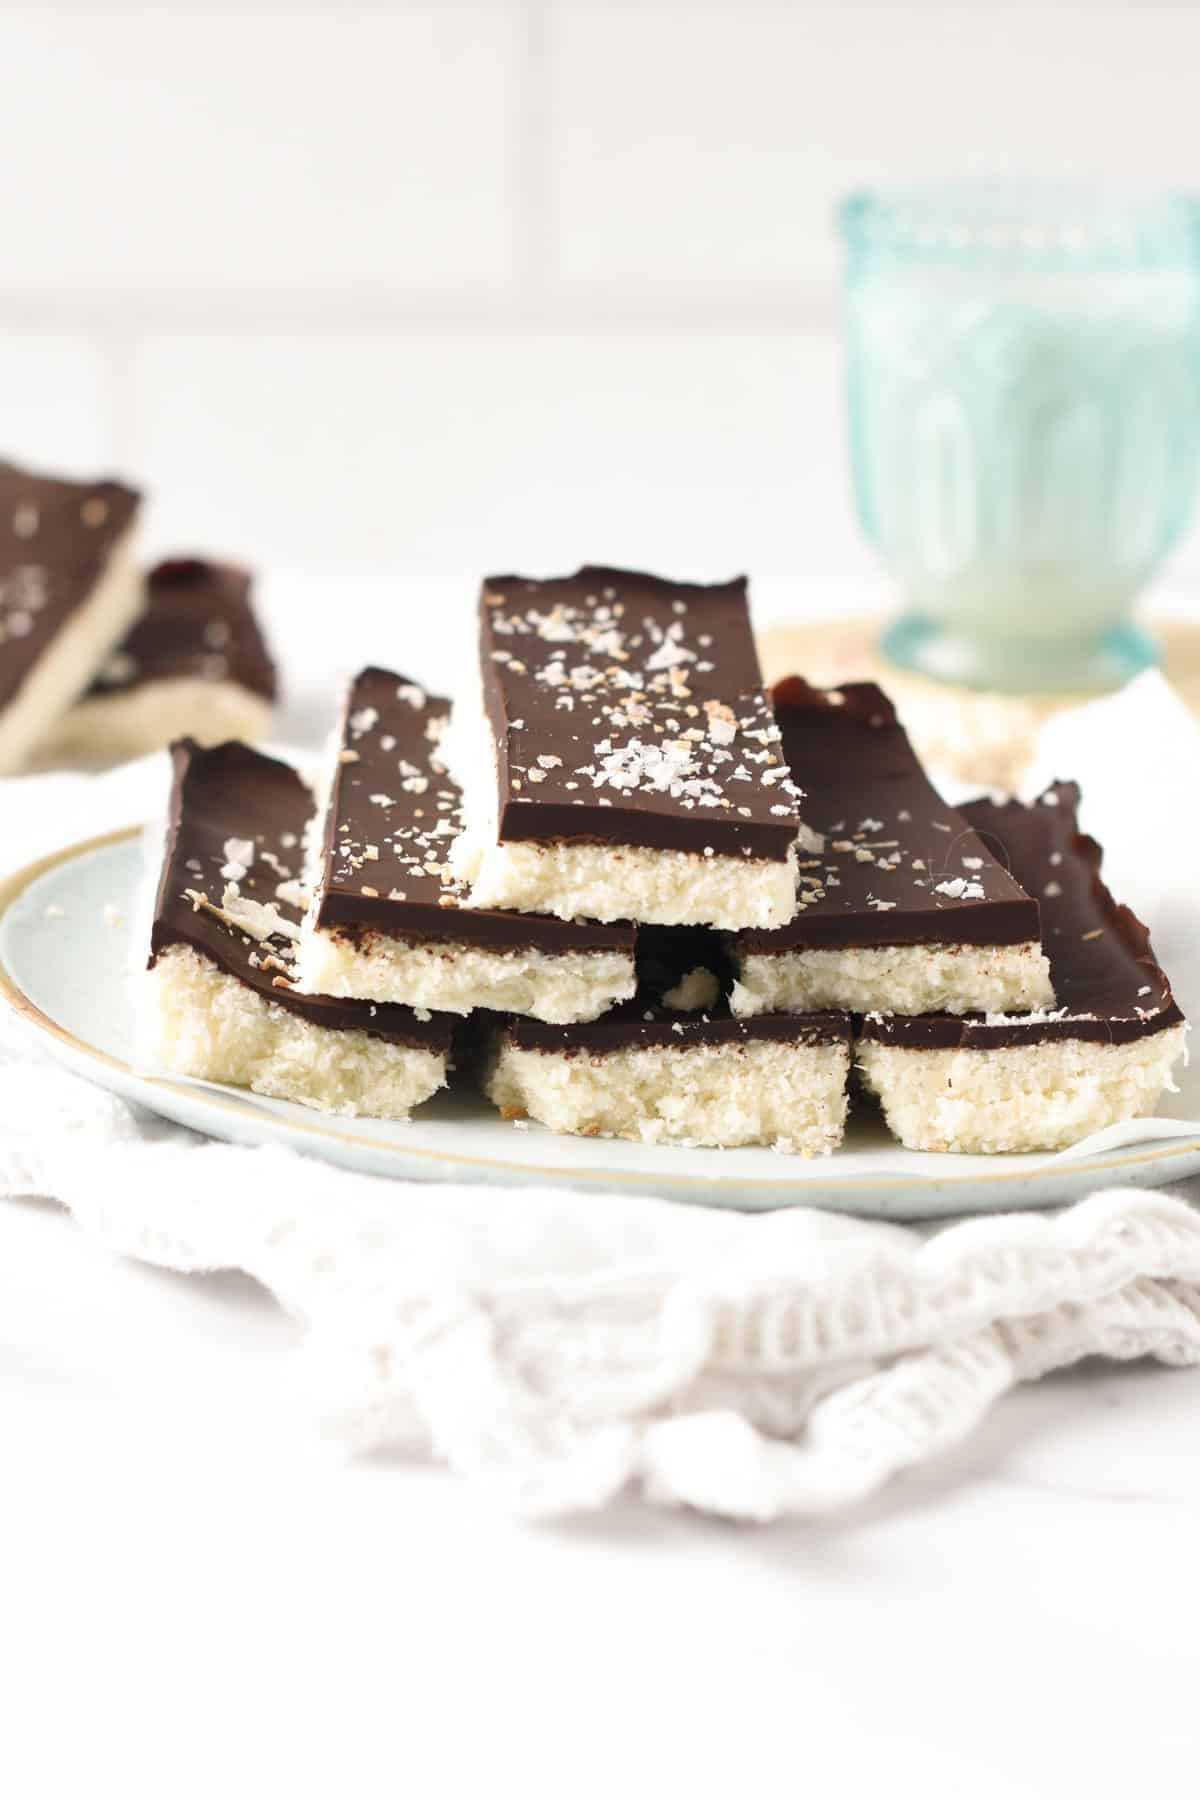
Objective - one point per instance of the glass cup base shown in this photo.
(1017, 665)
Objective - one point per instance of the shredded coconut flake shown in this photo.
(257, 919)
(239, 857)
(959, 889)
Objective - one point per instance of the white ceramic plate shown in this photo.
(64, 970)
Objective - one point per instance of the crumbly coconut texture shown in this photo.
(196, 1020)
(790, 1096)
(604, 882)
(698, 990)
(135, 721)
(905, 978)
(73, 656)
(459, 978)
(1032, 1097)
(607, 882)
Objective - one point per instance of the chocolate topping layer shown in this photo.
(235, 834)
(393, 813)
(634, 1026)
(199, 625)
(630, 710)
(55, 541)
(1109, 988)
(899, 866)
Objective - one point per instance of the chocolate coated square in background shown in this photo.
(199, 625)
(56, 538)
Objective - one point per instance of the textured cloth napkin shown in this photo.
(555, 1347)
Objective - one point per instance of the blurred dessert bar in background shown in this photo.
(194, 665)
(69, 592)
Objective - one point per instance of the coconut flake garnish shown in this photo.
(958, 889)
(256, 918)
(239, 856)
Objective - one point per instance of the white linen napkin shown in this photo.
(555, 1347)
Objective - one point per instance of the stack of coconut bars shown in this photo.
(629, 894)
(101, 658)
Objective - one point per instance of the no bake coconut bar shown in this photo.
(1103, 1054)
(195, 665)
(387, 920)
(622, 761)
(664, 1076)
(219, 1000)
(904, 909)
(69, 592)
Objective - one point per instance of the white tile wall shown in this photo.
(407, 290)
(206, 150)
(707, 145)
(444, 451)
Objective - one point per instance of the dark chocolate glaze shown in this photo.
(233, 792)
(590, 680)
(394, 797)
(889, 839)
(56, 538)
(1109, 988)
(199, 625)
(635, 1026)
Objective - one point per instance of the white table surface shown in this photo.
(198, 1599)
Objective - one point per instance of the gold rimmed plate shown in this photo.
(65, 957)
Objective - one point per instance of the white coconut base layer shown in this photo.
(790, 1096)
(606, 882)
(905, 978)
(109, 728)
(197, 1020)
(459, 978)
(1035, 1097)
(71, 659)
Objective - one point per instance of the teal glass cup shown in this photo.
(1024, 391)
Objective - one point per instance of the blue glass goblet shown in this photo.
(1024, 384)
